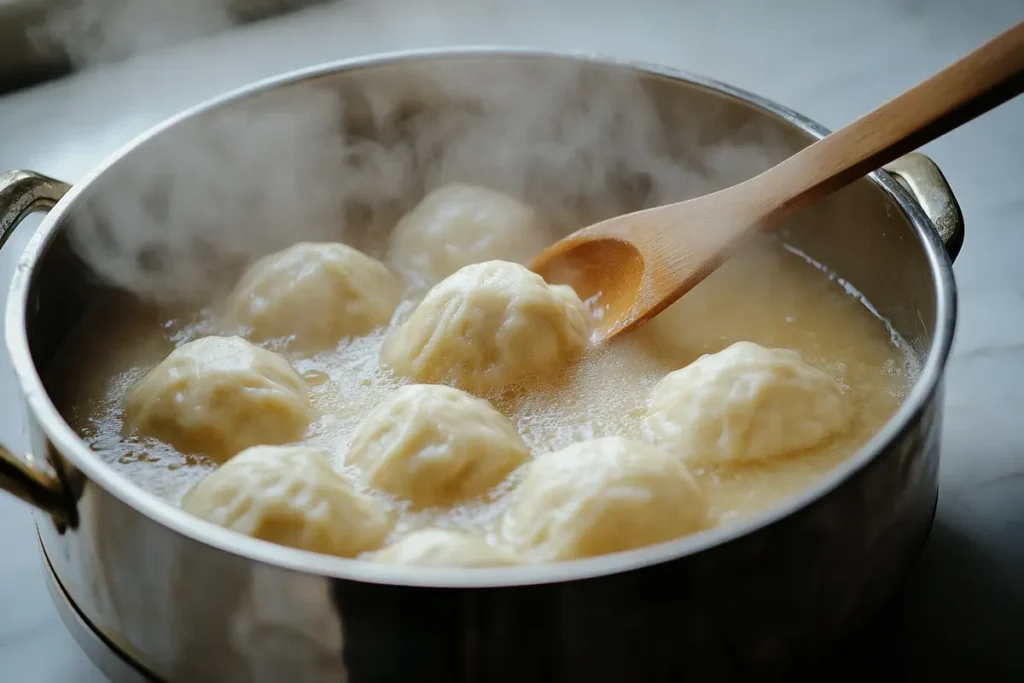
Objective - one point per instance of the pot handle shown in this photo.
(924, 181)
(22, 193)
(28, 477)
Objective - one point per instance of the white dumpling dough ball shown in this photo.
(746, 403)
(218, 396)
(435, 445)
(603, 496)
(459, 224)
(488, 326)
(438, 548)
(292, 496)
(314, 295)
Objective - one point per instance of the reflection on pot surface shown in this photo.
(301, 314)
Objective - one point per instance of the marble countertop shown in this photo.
(964, 607)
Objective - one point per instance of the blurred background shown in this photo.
(43, 39)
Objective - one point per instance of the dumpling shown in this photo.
(435, 445)
(437, 548)
(459, 224)
(290, 495)
(488, 326)
(746, 403)
(314, 295)
(218, 396)
(603, 496)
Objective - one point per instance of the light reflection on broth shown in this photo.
(767, 294)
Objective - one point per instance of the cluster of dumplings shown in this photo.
(485, 326)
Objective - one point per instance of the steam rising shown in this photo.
(341, 157)
(92, 31)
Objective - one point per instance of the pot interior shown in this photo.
(341, 154)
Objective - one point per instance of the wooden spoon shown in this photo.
(635, 265)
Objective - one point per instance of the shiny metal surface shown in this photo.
(922, 178)
(193, 602)
(33, 481)
(21, 193)
(29, 478)
(107, 659)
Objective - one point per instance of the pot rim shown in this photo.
(90, 465)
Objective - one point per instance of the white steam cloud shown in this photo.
(342, 156)
(94, 31)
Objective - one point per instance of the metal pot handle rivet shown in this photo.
(27, 477)
(924, 181)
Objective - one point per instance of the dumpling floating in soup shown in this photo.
(460, 224)
(292, 496)
(746, 403)
(603, 496)
(439, 548)
(488, 326)
(313, 295)
(435, 445)
(217, 396)
(438, 389)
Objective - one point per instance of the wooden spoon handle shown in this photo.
(984, 79)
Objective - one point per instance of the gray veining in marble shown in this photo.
(964, 607)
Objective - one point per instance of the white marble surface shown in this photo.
(832, 61)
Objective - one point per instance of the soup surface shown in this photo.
(769, 294)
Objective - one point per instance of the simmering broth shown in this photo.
(769, 294)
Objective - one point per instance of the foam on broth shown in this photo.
(769, 294)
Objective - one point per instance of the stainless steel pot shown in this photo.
(188, 601)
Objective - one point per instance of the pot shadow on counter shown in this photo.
(959, 617)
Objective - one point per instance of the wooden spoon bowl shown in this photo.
(634, 266)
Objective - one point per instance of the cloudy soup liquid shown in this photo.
(768, 294)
